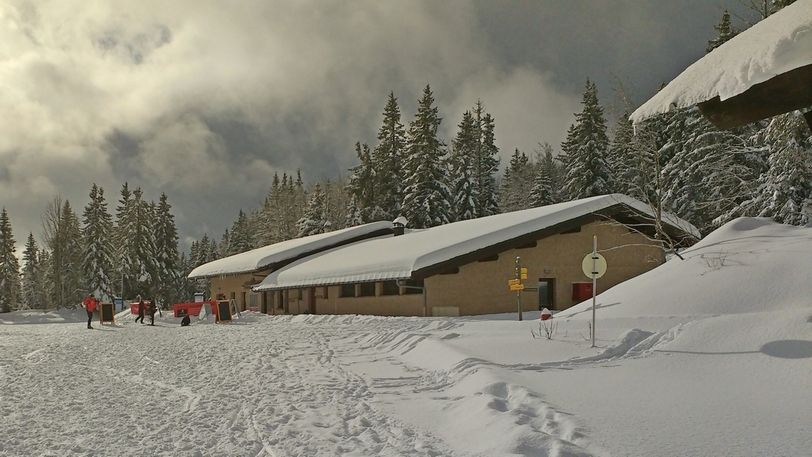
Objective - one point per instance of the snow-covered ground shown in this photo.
(707, 356)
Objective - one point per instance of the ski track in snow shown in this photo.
(277, 387)
(272, 387)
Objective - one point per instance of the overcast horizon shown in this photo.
(206, 103)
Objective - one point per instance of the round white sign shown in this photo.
(600, 266)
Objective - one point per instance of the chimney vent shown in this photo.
(399, 225)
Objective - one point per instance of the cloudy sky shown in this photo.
(205, 100)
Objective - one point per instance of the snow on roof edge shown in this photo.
(583, 207)
(773, 46)
(262, 257)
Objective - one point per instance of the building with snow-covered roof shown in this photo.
(232, 277)
(464, 267)
(764, 71)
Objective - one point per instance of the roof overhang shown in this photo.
(786, 92)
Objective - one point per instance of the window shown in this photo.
(411, 285)
(298, 294)
(366, 289)
(347, 290)
(390, 288)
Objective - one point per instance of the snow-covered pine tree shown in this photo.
(337, 202)
(315, 219)
(138, 247)
(711, 174)
(46, 283)
(724, 30)
(32, 296)
(426, 201)
(240, 237)
(517, 183)
(462, 163)
(166, 253)
(632, 165)
(542, 193)
(97, 258)
(73, 289)
(121, 283)
(388, 157)
(785, 191)
(486, 164)
(9, 267)
(588, 173)
(361, 186)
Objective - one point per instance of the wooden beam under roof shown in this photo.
(781, 94)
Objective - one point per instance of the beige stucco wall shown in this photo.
(233, 287)
(481, 287)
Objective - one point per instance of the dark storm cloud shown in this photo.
(206, 100)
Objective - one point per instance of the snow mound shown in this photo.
(39, 316)
(722, 274)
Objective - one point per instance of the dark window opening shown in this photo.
(347, 290)
(390, 288)
(572, 230)
(492, 258)
(366, 289)
(412, 286)
(324, 293)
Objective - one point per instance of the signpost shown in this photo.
(518, 287)
(594, 266)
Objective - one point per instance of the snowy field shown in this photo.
(707, 356)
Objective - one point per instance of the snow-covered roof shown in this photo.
(257, 259)
(773, 46)
(397, 257)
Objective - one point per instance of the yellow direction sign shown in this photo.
(514, 282)
(516, 287)
(524, 273)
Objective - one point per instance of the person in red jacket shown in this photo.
(90, 306)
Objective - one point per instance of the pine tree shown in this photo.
(462, 160)
(486, 164)
(388, 157)
(631, 165)
(362, 187)
(542, 193)
(724, 30)
(785, 191)
(426, 202)
(166, 253)
(66, 267)
(97, 258)
(315, 219)
(588, 173)
(138, 247)
(240, 237)
(32, 296)
(517, 183)
(9, 267)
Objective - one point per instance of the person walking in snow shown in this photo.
(151, 308)
(141, 310)
(90, 306)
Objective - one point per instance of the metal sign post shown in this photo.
(594, 281)
(519, 292)
(594, 266)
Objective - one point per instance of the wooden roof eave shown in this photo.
(781, 94)
(611, 213)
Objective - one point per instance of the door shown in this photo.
(546, 293)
